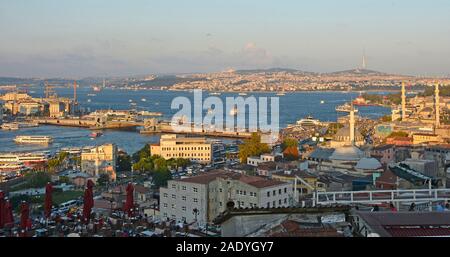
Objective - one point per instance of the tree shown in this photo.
(144, 165)
(252, 147)
(160, 163)
(38, 179)
(289, 142)
(161, 177)
(141, 154)
(124, 163)
(103, 179)
(291, 153)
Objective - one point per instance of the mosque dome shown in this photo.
(343, 135)
(368, 164)
(347, 153)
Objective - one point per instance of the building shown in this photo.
(203, 197)
(57, 109)
(423, 138)
(193, 148)
(307, 183)
(255, 160)
(384, 153)
(100, 159)
(29, 107)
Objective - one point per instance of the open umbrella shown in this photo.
(48, 200)
(24, 215)
(88, 201)
(2, 209)
(129, 204)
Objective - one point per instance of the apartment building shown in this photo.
(205, 196)
(196, 149)
(100, 159)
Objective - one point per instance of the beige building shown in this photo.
(204, 197)
(100, 159)
(193, 148)
(57, 109)
(423, 138)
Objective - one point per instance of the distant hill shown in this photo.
(359, 72)
(271, 70)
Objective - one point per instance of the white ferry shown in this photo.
(23, 158)
(8, 168)
(308, 121)
(10, 126)
(243, 93)
(33, 140)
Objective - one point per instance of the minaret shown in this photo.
(364, 60)
(352, 125)
(437, 107)
(74, 91)
(403, 102)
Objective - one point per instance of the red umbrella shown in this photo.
(24, 215)
(88, 201)
(129, 204)
(2, 209)
(48, 200)
(9, 218)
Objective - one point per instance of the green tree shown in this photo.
(144, 165)
(252, 147)
(37, 179)
(141, 154)
(124, 163)
(103, 179)
(289, 142)
(161, 177)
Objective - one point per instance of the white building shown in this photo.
(196, 149)
(254, 160)
(205, 196)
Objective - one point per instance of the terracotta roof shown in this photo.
(207, 177)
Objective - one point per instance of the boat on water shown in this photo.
(10, 126)
(361, 101)
(147, 113)
(133, 104)
(322, 102)
(96, 134)
(91, 94)
(89, 100)
(130, 101)
(214, 93)
(308, 121)
(281, 94)
(144, 100)
(345, 108)
(26, 159)
(242, 93)
(33, 140)
(96, 89)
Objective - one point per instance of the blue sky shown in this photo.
(64, 38)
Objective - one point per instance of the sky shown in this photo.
(67, 38)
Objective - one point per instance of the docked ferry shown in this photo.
(27, 159)
(33, 140)
(308, 121)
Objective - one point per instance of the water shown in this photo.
(293, 106)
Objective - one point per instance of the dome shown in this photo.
(343, 134)
(368, 164)
(347, 153)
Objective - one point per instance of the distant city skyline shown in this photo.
(50, 38)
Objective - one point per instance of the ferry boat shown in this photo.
(322, 102)
(147, 113)
(8, 168)
(33, 139)
(10, 126)
(71, 150)
(23, 158)
(96, 134)
(308, 121)
(345, 108)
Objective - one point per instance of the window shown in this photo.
(285, 190)
(174, 197)
(183, 208)
(268, 193)
(220, 204)
(274, 204)
(174, 186)
(279, 191)
(195, 200)
(220, 190)
(184, 187)
(279, 202)
(285, 200)
(183, 198)
(165, 214)
(173, 206)
(268, 205)
(245, 192)
(274, 192)
(165, 205)
(195, 189)
(165, 195)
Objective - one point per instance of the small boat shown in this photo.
(91, 95)
(10, 126)
(144, 100)
(322, 102)
(130, 101)
(214, 93)
(243, 93)
(96, 134)
(133, 104)
(89, 100)
(281, 94)
(308, 121)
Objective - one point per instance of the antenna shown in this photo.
(364, 59)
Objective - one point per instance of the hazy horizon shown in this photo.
(50, 38)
